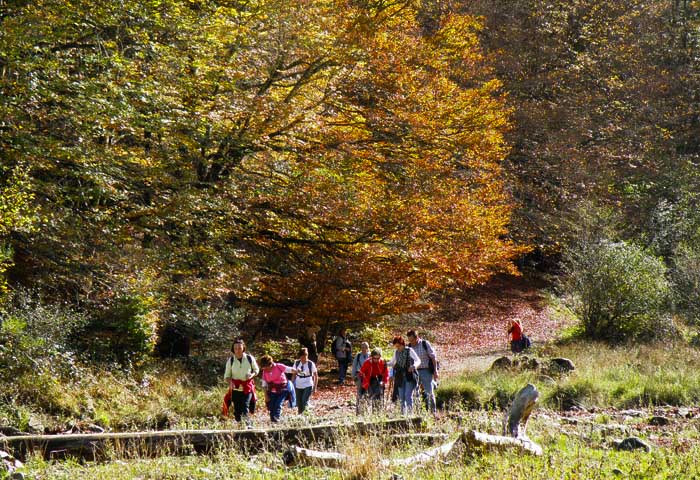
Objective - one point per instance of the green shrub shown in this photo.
(124, 332)
(685, 276)
(618, 290)
(463, 392)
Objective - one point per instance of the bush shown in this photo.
(125, 332)
(618, 290)
(685, 276)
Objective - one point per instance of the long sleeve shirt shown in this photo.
(414, 356)
(425, 351)
(373, 368)
(241, 369)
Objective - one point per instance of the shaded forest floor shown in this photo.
(468, 331)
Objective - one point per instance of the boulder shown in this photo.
(633, 443)
(659, 421)
(561, 365)
(502, 363)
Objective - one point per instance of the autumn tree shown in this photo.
(605, 100)
(309, 162)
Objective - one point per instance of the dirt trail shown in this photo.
(468, 331)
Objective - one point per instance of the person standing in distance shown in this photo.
(357, 363)
(342, 350)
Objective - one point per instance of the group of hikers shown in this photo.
(413, 366)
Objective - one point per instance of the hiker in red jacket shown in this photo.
(375, 375)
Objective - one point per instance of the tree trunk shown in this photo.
(523, 404)
(321, 338)
(308, 339)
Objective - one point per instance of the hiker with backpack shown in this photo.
(305, 379)
(375, 375)
(357, 363)
(341, 348)
(428, 371)
(404, 363)
(519, 341)
(240, 370)
(276, 385)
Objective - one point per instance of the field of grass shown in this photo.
(578, 444)
(605, 376)
(572, 450)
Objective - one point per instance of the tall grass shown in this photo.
(623, 377)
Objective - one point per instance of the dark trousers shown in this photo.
(343, 369)
(303, 396)
(241, 404)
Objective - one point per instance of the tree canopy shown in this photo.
(310, 161)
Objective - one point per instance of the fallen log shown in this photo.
(425, 438)
(307, 457)
(184, 442)
(485, 442)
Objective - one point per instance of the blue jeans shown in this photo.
(426, 381)
(274, 405)
(406, 396)
(342, 368)
(303, 396)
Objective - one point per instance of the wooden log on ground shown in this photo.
(519, 413)
(424, 438)
(485, 442)
(425, 457)
(307, 457)
(304, 456)
(185, 442)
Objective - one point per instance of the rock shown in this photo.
(633, 413)
(17, 476)
(617, 471)
(633, 443)
(35, 425)
(685, 413)
(561, 365)
(502, 362)
(659, 421)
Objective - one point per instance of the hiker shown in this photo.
(275, 384)
(375, 376)
(357, 363)
(342, 351)
(428, 369)
(404, 364)
(305, 379)
(240, 370)
(519, 341)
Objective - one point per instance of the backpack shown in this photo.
(433, 366)
(356, 360)
(250, 361)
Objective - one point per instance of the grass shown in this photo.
(605, 376)
(169, 395)
(570, 452)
